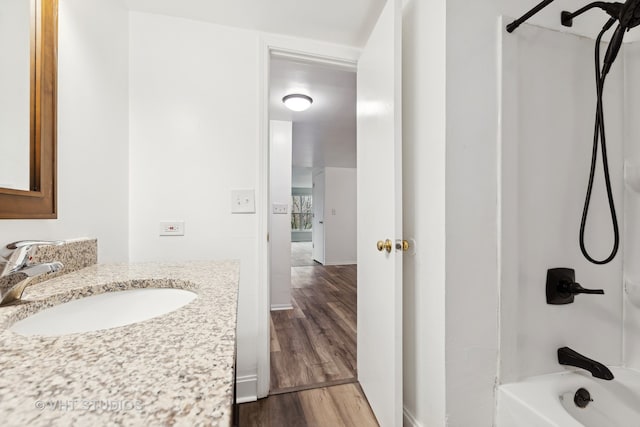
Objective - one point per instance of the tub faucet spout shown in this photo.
(567, 356)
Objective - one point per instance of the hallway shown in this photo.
(313, 354)
(314, 345)
(301, 254)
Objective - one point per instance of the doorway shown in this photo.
(304, 231)
(317, 244)
(379, 178)
(313, 321)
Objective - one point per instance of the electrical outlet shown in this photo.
(172, 228)
(243, 201)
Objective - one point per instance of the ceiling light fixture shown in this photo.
(297, 101)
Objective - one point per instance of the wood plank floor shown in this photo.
(343, 405)
(314, 344)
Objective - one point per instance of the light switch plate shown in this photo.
(172, 228)
(243, 201)
(280, 208)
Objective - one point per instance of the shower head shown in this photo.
(628, 17)
(630, 14)
(614, 47)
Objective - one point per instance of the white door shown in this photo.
(380, 217)
(317, 231)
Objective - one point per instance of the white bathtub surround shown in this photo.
(631, 239)
(547, 401)
(544, 150)
(548, 107)
(175, 368)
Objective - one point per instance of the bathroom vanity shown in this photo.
(173, 369)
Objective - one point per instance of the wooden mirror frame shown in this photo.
(40, 201)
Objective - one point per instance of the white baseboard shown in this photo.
(278, 307)
(246, 388)
(408, 419)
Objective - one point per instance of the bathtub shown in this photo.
(548, 400)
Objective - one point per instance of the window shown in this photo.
(301, 212)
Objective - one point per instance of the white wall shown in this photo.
(335, 204)
(631, 230)
(280, 140)
(92, 131)
(546, 142)
(194, 137)
(302, 177)
(423, 135)
(340, 216)
(15, 69)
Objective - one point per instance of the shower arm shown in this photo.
(515, 24)
(566, 18)
(613, 9)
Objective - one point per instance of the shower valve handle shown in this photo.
(575, 288)
(562, 287)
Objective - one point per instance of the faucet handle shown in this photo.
(30, 243)
(14, 256)
(562, 287)
(575, 288)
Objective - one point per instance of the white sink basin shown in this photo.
(103, 311)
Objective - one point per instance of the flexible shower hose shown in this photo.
(599, 135)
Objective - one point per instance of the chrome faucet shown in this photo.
(15, 259)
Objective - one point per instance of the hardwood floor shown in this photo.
(313, 356)
(314, 344)
(343, 405)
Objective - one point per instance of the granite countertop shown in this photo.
(174, 369)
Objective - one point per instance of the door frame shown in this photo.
(305, 50)
(315, 237)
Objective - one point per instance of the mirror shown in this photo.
(28, 79)
(15, 85)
